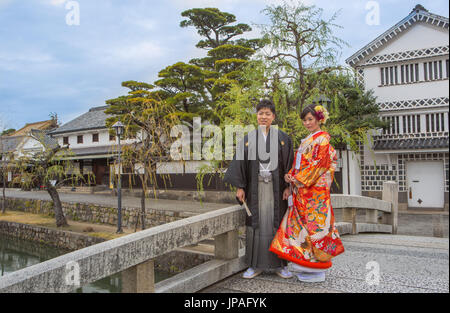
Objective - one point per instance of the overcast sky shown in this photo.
(47, 65)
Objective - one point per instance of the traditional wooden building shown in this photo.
(88, 138)
(407, 67)
(31, 138)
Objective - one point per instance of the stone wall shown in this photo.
(56, 238)
(93, 213)
(172, 262)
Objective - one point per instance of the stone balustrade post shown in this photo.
(390, 194)
(438, 223)
(226, 246)
(371, 216)
(349, 216)
(139, 278)
(38, 207)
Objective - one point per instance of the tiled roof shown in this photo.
(94, 119)
(412, 144)
(95, 150)
(44, 125)
(40, 135)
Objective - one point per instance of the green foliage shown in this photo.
(7, 132)
(298, 68)
(148, 117)
(353, 111)
(214, 25)
(226, 55)
(185, 85)
(303, 47)
(51, 164)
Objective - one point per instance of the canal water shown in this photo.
(16, 254)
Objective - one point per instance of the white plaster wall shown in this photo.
(355, 174)
(370, 157)
(352, 170)
(29, 146)
(420, 35)
(170, 168)
(419, 90)
(193, 167)
(103, 139)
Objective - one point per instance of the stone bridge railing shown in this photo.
(133, 254)
(381, 216)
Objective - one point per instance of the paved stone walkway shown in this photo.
(407, 264)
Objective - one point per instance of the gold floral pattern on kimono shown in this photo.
(308, 235)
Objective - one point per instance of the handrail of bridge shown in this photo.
(134, 254)
(386, 222)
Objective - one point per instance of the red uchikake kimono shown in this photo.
(307, 235)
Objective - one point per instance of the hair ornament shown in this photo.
(321, 114)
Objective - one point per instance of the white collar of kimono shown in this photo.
(310, 135)
(265, 136)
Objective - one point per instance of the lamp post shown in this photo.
(119, 127)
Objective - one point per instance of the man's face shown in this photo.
(265, 117)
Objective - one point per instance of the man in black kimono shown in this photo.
(258, 175)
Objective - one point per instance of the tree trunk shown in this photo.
(143, 208)
(3, 261)
(59, 214)
(4, 194)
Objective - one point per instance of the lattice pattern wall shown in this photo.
(408, 55)
(414, 104)
(373, 176)
(360, 77)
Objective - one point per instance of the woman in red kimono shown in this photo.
(307, 236)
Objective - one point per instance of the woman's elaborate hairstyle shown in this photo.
(318, 111)
(266, 103)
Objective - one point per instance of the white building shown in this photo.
(407, 67)
(25, 142)
(89, 139)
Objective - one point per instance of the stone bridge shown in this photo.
(368, 260)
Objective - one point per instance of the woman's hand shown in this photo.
(288, 178)
(286, 193)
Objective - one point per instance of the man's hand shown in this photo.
(240, 194)
(286, 193)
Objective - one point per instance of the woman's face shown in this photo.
(311, 123)
(265, 117)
